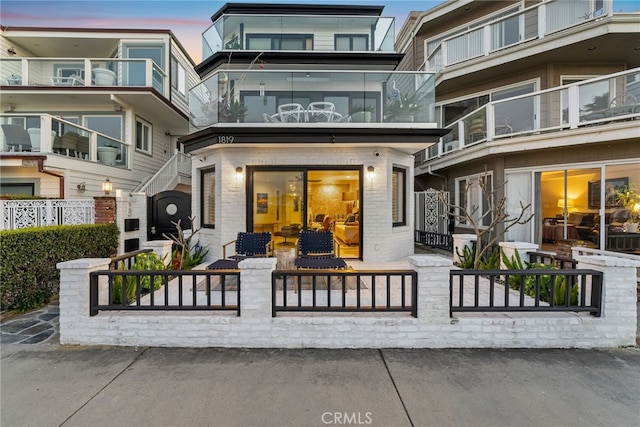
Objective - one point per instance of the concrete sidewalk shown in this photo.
(52, 385)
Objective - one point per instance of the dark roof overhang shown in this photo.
(407, 139)
(295, 9)
(348, 60)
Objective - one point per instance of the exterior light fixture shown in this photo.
(81, 187)
(107, 186)
(370, 171)
(11, 51)
(238, 174)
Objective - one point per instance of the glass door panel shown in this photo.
(277, 200)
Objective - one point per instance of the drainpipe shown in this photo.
(60, 177)
(446, 181)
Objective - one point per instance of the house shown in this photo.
(302, 121)
(80, 106)
(542, 99)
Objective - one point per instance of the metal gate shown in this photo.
(432, 219)
(167, 207)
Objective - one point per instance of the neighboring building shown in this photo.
(302, 122)
(83, 105)
(545, 97)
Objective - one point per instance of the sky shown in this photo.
(186, 19)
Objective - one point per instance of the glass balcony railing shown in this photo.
(299, 32)
(83, 72)
(516, 28)
(50, 135)
(593, 102)
(311, 97)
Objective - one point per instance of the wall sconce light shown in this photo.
(107, 186)
(81, 187)
(370, 171)
(11, 51)
(238, 174)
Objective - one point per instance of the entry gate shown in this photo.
(432, 219)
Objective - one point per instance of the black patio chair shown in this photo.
(247, 245)
(17, 138)
(316, 250)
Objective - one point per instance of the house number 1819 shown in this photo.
(225, 139)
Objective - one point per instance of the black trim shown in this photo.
(295, 9)
(266, 135)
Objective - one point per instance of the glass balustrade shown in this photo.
(312, 98)
(299, 32)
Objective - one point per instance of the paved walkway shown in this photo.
(36, 327)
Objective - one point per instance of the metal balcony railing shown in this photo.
(299, 32)
(327, 98)
(593, 102)
(43, 133)
(92, 72)
(534, 22)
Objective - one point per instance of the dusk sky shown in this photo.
(187, 19)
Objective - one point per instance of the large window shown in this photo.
(398, 199)
(178, 77)
(351, 42)
(279, 42)
(208, 197)
(473, 196)
(143, 136)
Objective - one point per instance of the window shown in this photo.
(398, 199)
(208, 197)
(279, 42)
(473, 195)
(178, 77)
(107, 125)
(351, 42)
(143, 136)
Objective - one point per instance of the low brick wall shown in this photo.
(433, 328)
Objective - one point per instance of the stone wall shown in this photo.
(433, 328)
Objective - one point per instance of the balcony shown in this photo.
(311, 98)
(499, 32)
(595, 102)
(299, 33)
(46, 134)
(66, 73)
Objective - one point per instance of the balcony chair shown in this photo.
(623, 104)
(66, 144)
(16, 138)
(316, 250)
(271, 118)
(321, 111)
(247, 245)
(72, 80)
(292, 113)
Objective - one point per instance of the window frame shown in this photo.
(307, 40)
(149, 126)
(178, 76)
(399, 181)
(211, 201)
(350, 37)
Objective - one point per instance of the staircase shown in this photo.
(176, 172)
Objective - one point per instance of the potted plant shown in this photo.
(235, 112)
(108, 154)
(362, 113)
(402, 109)
(629, 197)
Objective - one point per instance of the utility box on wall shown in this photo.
(131, 224)
(131, 245)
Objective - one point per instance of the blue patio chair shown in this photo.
(316, 250)
(247, 245)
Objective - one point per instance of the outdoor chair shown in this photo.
(247, 245)
(16, 138)
(321, 111)
(292, 113)
(316, 250)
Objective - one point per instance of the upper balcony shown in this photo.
(588, 104)
(257, 32)
(506, 30)
(83, 72)
(314, 98)
(43, 134)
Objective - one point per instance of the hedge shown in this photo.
(28, 258)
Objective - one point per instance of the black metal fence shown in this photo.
(165, 290)
(552, 259)
(126, 260)
(434, 240)
(526, 290)
(344, 291)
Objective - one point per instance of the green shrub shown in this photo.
(146, 261)
(467, 258)
(28, 257)
(560, 285)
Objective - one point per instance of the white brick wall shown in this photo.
(433, 328)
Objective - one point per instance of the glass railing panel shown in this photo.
(594, 100)
(11, 72)
(475, 126)
(299, 32)
(57, 72)
(433, 150)
(514, 115)
(561, 14)
(312, 97)
(505, 32)
(71, 140)
(20, 133)
(451, 141)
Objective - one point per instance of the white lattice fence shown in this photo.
(37, 213)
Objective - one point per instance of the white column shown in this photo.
(459, 242)
(255, 291)
(522, 248)
(433, 286)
